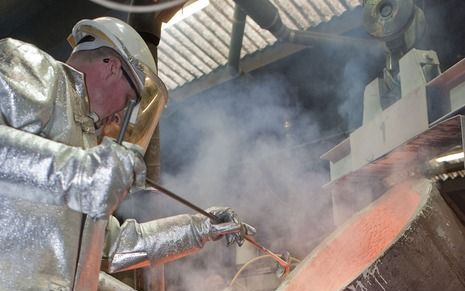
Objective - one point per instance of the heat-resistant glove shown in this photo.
(160, 241)
(229, 226)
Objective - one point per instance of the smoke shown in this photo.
(249, 146)
(254, 144)
(351, 95)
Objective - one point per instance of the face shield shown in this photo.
(137, 123)
(142, 121)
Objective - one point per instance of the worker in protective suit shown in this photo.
(60, 180)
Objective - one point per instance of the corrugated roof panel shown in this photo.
(337, 6)
(226, 9)
(168, 80)
(222, 29)
(199, 44)
(197, 36)
(168, 69)
(191, 54)
(322, 9)
(172, 54)
(353, 3)
(215, 31)
(265, 34)
(218, 47)
(259, 39)
(293, 14)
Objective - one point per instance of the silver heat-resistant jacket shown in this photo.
(45, 173)
(52, 171)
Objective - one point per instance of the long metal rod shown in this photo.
(183, 201)
(215, 219)
(285, 265)
(127, 118)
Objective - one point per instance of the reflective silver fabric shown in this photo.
(45, 171)
(52, 171)
(164, 240)
(157, 241)
(55, 173)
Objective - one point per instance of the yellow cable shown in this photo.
(241, 287)
(245, 266)
(254, 260)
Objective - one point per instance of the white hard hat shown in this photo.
(120, 36)
(89, 34)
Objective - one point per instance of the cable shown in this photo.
(138, 8)
(246, 265)
(295, 260)
(239, 287)
(292, 259)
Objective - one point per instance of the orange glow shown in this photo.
(359, 243)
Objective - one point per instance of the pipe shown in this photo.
(235, 44)
(266, 15)
(148, 25)
(309, 38)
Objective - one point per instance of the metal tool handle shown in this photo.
(183, 201)
(127, 118)
(215, 219)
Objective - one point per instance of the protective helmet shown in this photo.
(139, 64)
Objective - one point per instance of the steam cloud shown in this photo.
(243, 146)
(254, 144)
(249, 146)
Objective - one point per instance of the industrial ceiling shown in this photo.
(199, 44)
(193, 51)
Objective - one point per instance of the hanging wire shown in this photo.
(254, 259)
(138, 8)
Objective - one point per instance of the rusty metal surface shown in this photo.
(415, 152)
(450, 78)
(429, 255)
(439, 93)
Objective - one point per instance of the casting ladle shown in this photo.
(285, 265)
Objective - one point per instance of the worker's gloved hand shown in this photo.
(117, 169)
(171, 238)
(230, 226)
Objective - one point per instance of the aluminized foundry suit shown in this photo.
(52, 171)
(44, 128)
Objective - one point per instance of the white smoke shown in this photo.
(244, 146)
